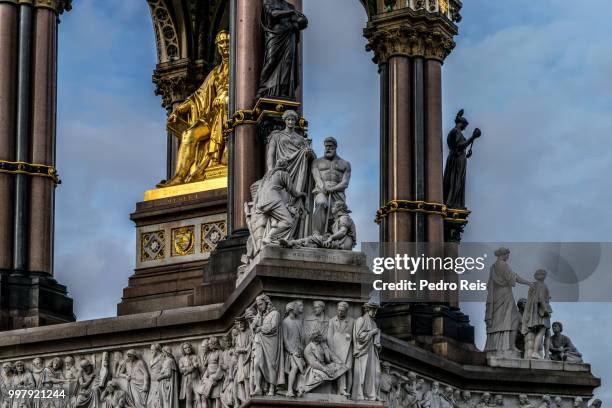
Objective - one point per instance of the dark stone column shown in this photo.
(44, 83)
(247, 148)
(9, 17)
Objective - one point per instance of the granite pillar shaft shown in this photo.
(9, 22)
(22, 151)
(433, 147)
(44, 95)
(247, 148)
(399, 226)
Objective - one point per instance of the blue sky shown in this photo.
(534, 76)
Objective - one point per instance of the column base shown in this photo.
(33, 300)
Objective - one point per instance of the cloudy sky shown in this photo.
(534, 76)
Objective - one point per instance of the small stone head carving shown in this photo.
(186, 348)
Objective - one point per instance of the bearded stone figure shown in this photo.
(198, 123)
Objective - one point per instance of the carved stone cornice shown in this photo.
(411, 33)
(176, 80)
(59, 6)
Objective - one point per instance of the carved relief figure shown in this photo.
(228, 365)
(211, 386)
(155, 366)
(501, 314)
(524, 401)
(114, 396)
(242, 348)
(269, 370)
(37, 369)
(6, 383)
(87, 396)
(545, 402)
(434, 397)
(366, 343)
(282, 24)
(456, 162)
(466, 400)
(561, 347)
(536, 318)
(386, 382)
(485, 401)
(332, 175)
(189, 368)
(292, 343)
(168, 380)
(317, 323)
(499, 400)
(340, 341)
(202, 143)
(323, 365)
(136, 375)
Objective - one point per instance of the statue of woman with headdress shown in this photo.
(281, 24)
(456, 162)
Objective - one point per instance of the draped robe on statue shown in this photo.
(169, 386)
(268, 349)
(295, 149)
(366, 366)
(501, 314)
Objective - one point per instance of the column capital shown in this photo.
(176, 80)
(59, 6)
(413, 32)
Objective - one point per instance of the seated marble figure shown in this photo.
(561, 347)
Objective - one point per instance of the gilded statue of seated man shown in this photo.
(205, 113)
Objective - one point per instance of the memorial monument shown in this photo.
(248, 291)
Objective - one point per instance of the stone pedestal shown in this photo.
(174, 239)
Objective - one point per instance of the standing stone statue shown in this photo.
(292, 342)
(211, 385)
(366, 344)
(466, 400)
(317, 323)
(6, 383)
(242, 346)
(536, 318)
(281, 23)
(456, 162)
(561, 347)
(136, 375)
(332, 175)
(386, 383)
(268, 359)
(168, 380)
(87, 396)
(37, 369)
(340, 341)
(485, 401)
(189, 368)
(155, 365)
(434, 398)
(501, 314)
(202, 144)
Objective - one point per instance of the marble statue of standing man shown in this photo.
(340, 341)
(331, 175)
(268, 361)
(502, 317)
(366, 344)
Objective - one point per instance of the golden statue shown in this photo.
(199, 121)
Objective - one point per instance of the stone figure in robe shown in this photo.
(466, 400)
(6, 383)
(340, 341)
(22, 380)
(212, 378)
(289, 145)
(280, 215)
(242, 348)
(485, 401)
(322, 364)
(545, 402)
(114, 396)
(366, 363)
(87, 395)
(524, 401)
(561, 347)
(268, 355)
(281, 24)
(434, 398)
(189, 367)
(137, 377)
(155, 367)
(386, 382)
(331, 175)
(293, 335)
(535, 325)
(168, 380)
(501, 313)
(202, 143)
(317, 322)
(228, 365)
(456, 162)
(37, 369)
